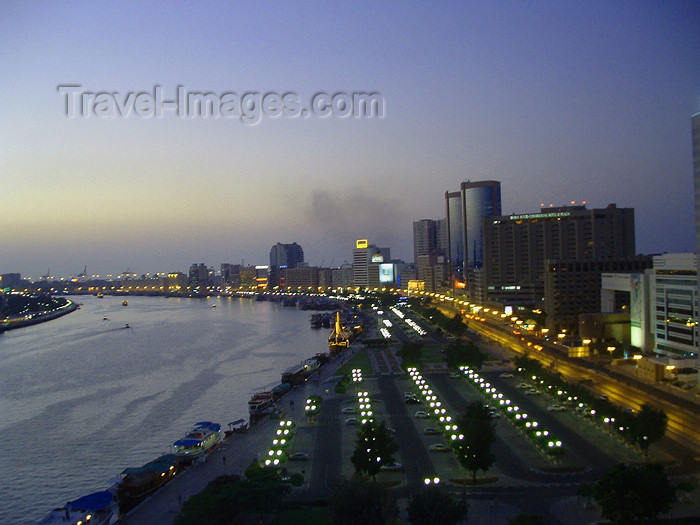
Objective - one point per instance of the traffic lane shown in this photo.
(326, 464)
(537, 409)
(416, 461)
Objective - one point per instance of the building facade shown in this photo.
(573, 287)
(465, 214)
(364, 256)
(675, 304)
(517, 246)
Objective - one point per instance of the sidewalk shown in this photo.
(163, 506)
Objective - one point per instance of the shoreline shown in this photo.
(39, 317)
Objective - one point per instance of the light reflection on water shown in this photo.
(82, 398)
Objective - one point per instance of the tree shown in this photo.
(229, 499)
(474, 451)
(374, 447)
(648, 426)
(629, 494)
(361, 502)
(411, 353)
(434, 505)
(458, 354)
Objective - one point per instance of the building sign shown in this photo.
(361, 243)
(386, 273)
(377, 258)
(528, 216)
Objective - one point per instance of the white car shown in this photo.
(556, 408)
(348, 410)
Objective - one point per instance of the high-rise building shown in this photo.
(430, 250)
(517, 246)
(199, 275)
(363, 257)
(429, 237)
(465, 212)
(283, 256)
(696, 172)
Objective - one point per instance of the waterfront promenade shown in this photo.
(239, 450)
(522, 480)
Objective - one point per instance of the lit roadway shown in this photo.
(621, 389)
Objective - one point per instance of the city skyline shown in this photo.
(560, 103)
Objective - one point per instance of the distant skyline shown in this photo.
(562, 101)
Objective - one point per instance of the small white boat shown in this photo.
(199, 440)
(94, 509)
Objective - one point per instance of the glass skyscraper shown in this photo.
(466, 210)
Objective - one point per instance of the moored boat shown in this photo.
(261, 403)
(201, 439)
(139, 482)
(93, 509)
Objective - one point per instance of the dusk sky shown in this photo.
(560, 101)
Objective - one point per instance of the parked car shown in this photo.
(531, 392)
(556, 408)
(439, 447)
(348, 410)
(506, 375)
(392, 466)
(431, 430)
(412, 401)
(421, 414)
(351, 421)
(454, 375)
(523, 386)
(298, 456)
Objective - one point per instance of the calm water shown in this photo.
(82, 398)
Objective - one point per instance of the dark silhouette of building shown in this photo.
(517, 246)
(283, 256)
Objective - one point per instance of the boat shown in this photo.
(93, 509)
(100, 295)
(200, 440)
(139, 482)
(125, 303)
(261, 403)
(340, 337)
(237, 427)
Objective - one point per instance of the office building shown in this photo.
(695, 120)
(343, 277)
(516, 247)
(199, 275)
(573, 287)
(429, 237)
(283, 256)
(465, 214)
(430, 250)
(674, 293)
(11, 280)
(364, 257)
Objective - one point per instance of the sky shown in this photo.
(560, 101)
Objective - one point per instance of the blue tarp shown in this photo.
(208, 424)
(187, 442)
(94, 502)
